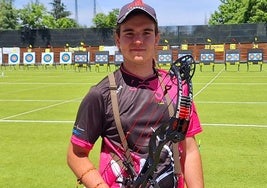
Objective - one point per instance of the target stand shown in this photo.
(102, 59)
(207, 57)
(255, 57)
(232, 57)
(81, 60)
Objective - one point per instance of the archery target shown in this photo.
(81, 58)
(255, 56)
(101, 58)
(47, 58)
(13, 58)
(207, 57)
(165, 57)
(232, 57)
(119, 58)
(29, 58)
(65, 57)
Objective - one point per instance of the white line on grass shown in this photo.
(93, 83)
(59, 121)
(45, 83)
(210, 82)
(234, 83)
(233, 125)
(34, 121)
(38, 109)
(232, 102)
(200, 102)
(34, 100)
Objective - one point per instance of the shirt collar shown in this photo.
(135, 81)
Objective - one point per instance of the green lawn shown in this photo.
(38, 107)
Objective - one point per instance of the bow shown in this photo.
(181, 73)
(182, 70)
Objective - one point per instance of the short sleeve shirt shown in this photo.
(143, 108)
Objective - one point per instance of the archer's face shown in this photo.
(137, 40)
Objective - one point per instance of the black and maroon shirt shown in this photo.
(143, 108)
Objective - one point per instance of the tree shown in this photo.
(60, 17)
(31, 16)
(62, 23)
(240, 11)
(36, 16)
(102, 20)
(257, 11)
(8, 15)
(59, 10)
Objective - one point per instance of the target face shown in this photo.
(255, 56)
(65, 57)
(207, 57)
(165, 57)
(232, 57)
(80, 58)
(101, 58)
(118, 58)
(29, 58)
(13, 58)
(47, 58)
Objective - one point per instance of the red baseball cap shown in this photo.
(136, 5)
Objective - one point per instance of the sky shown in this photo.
(169, 12)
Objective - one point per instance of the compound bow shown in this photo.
(181, 70)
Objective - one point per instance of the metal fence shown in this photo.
(173, 35)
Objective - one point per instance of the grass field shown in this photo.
(38, 107)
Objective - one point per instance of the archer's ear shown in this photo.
(117, 40)
(157, 39)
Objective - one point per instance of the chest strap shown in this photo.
(115, 108)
